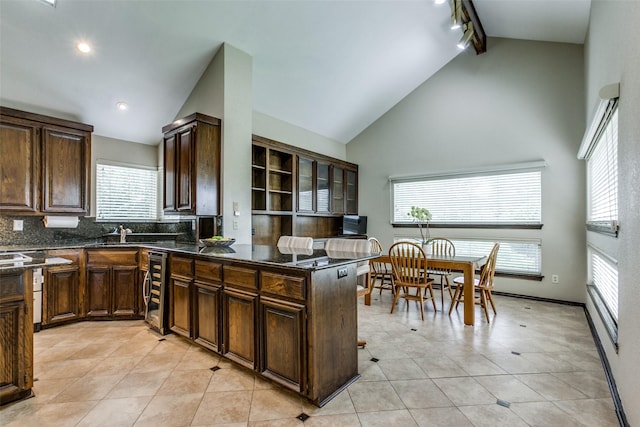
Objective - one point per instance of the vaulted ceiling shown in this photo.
(332, 67)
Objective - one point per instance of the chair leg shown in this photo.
(395, 300)
(449, 285)
(421, 296)
(493, 304)
(455, 299)
(433, 298)
(483, 303)
(442, 292)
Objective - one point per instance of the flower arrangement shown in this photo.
(421, 216)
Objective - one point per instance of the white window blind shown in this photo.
(126, 193)
(523, 257)
(504, 198)
(604, 276)
(602, 176)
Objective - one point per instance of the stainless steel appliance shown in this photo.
(155, 292)
(38, 283)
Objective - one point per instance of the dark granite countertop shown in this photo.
(24, 259)
(260, 254)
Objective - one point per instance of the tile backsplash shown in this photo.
(34, 232)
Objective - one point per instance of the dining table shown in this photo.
(465, 264)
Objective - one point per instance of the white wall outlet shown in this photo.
(235, 224)
(18, 225)
(555, 278)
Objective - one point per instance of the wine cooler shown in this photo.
(155, 293)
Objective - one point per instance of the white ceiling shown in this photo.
(332, 67)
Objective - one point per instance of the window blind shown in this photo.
(602, 176)
(604, 276)
(505, 198)
(126, 193)
(522, 257)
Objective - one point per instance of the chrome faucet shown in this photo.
(123, 234)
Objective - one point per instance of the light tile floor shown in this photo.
(539, 357)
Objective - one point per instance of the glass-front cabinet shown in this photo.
(305, 185)
(352, 192)
(338, 190)
(323, 204)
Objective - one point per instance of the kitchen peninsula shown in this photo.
(291, 317)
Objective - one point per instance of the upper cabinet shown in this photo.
(44, 164)
(192, 165)
(272, 177)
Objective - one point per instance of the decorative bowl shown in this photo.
(221, 243)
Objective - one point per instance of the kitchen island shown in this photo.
(291, 317)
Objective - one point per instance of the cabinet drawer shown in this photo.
(243, 277)
(118, 257)
(181, 266)
(72, 255)
(286, 286)
(207, 270)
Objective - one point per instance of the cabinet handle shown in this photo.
(146, 288)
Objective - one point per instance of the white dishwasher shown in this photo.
(38, 281)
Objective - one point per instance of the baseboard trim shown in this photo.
(615, 396)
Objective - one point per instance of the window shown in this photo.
(603, 274)
(602, 178)
(126, 192)
(499, 198)
(518, 257)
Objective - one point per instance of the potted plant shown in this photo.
(421, 216)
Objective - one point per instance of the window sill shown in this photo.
(469, 225)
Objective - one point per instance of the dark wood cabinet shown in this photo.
(112, 284)
(192, 163)
(45, 164)
(16, 330)
(207, 304)
(298, 192)
(180, 284)
(63, 290)
(239, 324)
(62, 295)
(283, 342)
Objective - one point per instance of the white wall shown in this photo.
(520, 101)
(272, 128)
(225, 90)
(117, 150)
(611, 55)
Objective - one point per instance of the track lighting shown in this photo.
(466, 36)
(456, 14)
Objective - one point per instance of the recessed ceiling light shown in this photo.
(49, 2)
(122, 106)
(83, 47)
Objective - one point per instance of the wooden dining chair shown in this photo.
(409, 264)
(442, 246)
(381, 273)
(483, 285)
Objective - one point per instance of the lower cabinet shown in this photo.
(239, 309)
(283, 342)
(207, 304)
(180, 283)
(16, 330)
(112, 285)
(61, 302)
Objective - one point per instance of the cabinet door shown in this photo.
(65, 169)
(179, 319)
(352, 192)
(184, 170)
(98, 287)
(61, 296)
(305, 185)
(283, 342)
(125, 290)
(15, 353)
(239, 325)
(169, 204)
(206, 327)
(18, 165)
(323, 203)
(337, 190)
